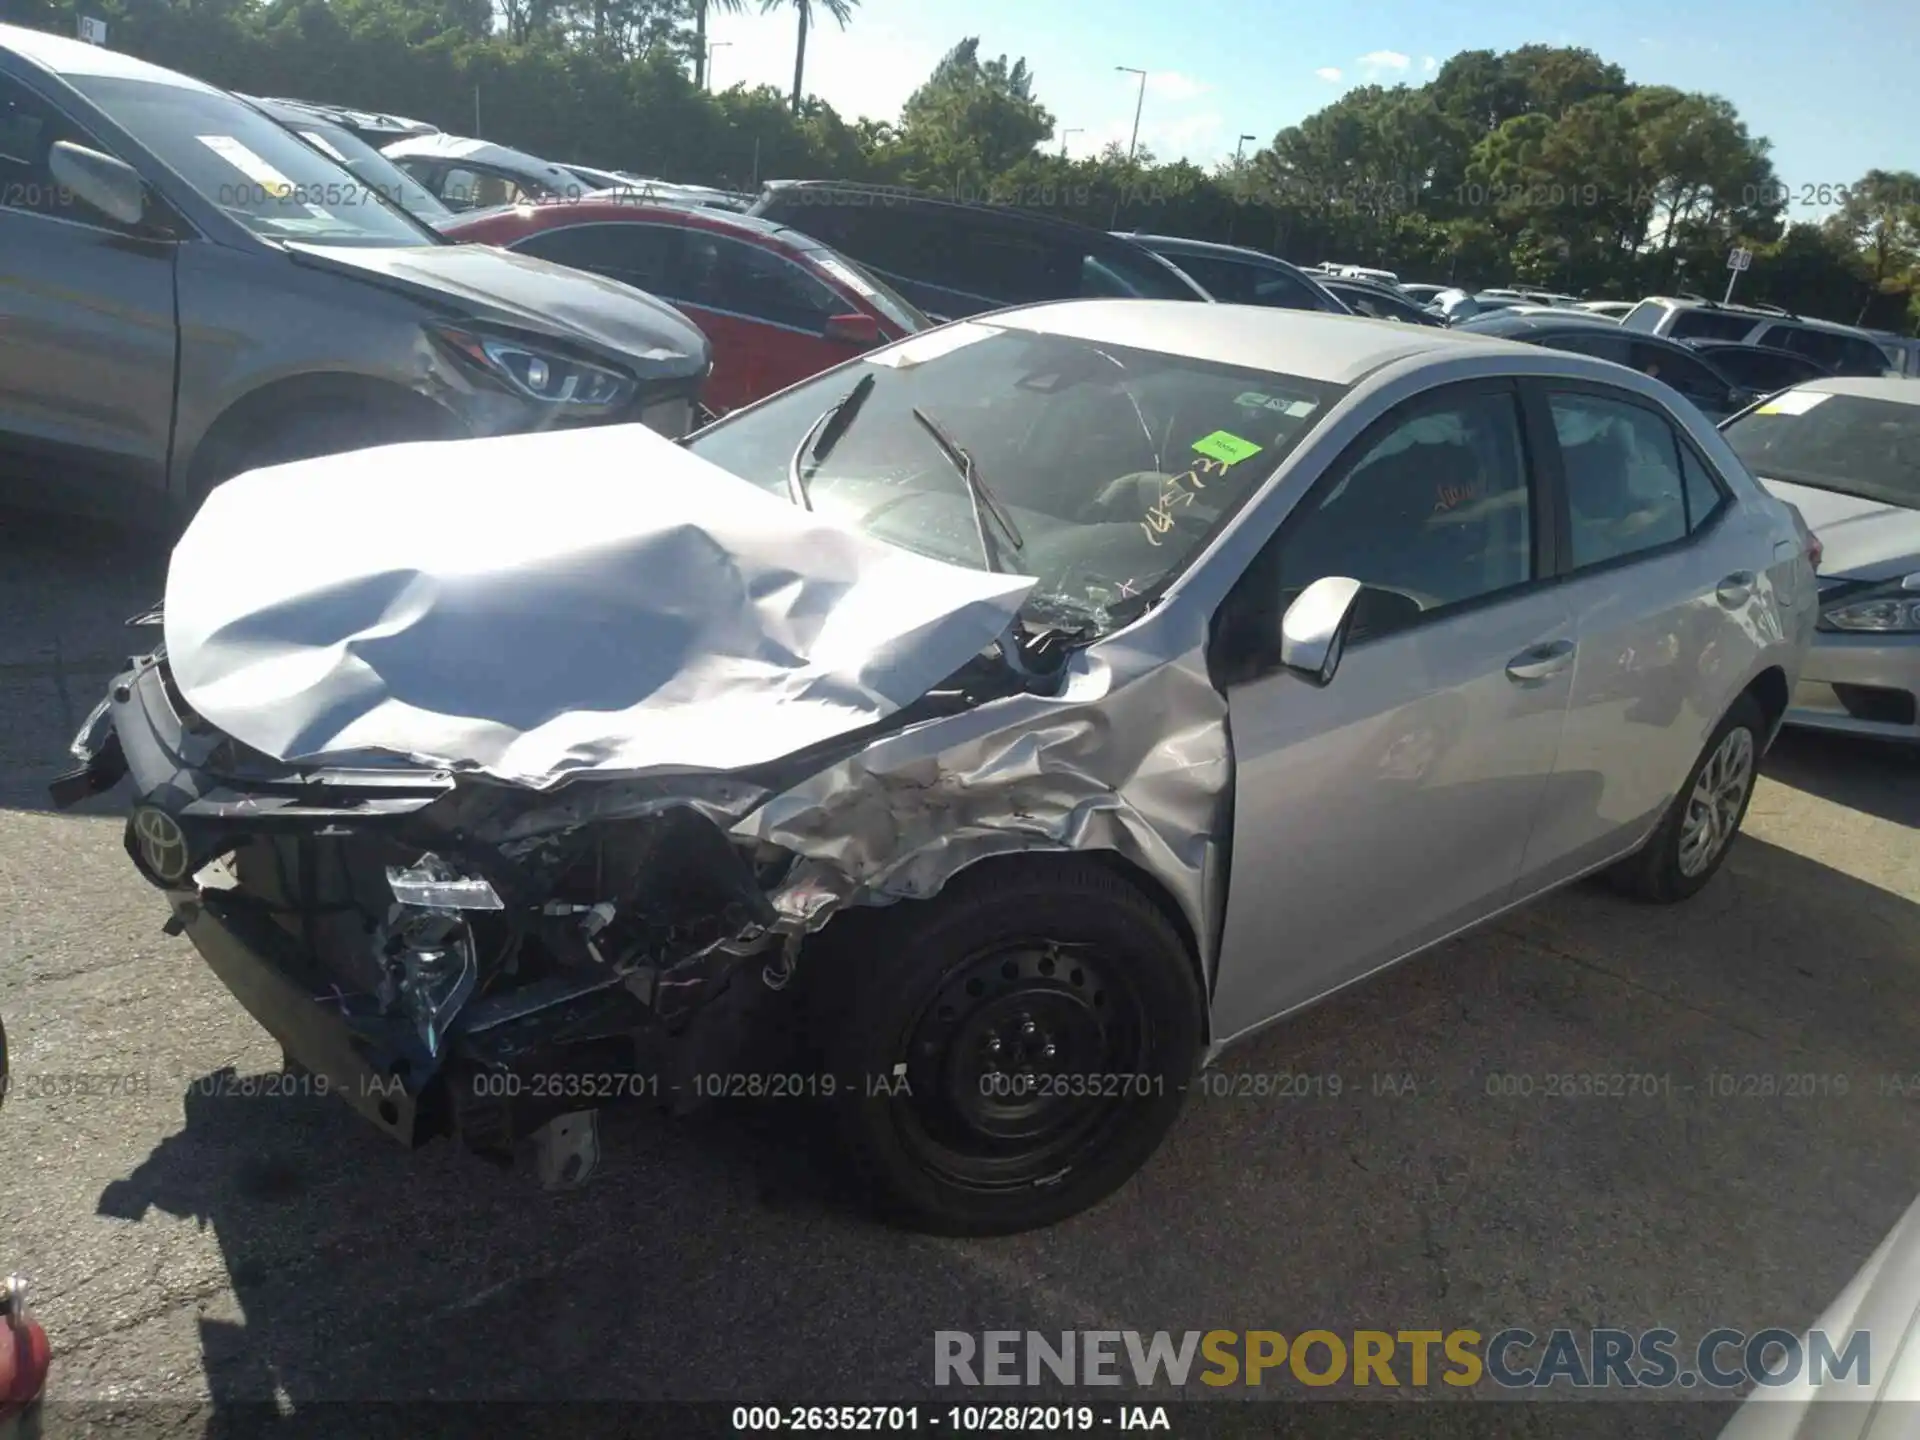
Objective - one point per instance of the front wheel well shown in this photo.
(1112, 861)
(223, 447)
(1769, 692)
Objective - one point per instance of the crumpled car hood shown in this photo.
(541, 607)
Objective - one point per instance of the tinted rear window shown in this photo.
(1708, 325)
(1644, 316)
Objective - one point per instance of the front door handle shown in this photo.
(1735, 590)
(1540, 661)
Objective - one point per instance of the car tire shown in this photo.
(1670, 866)
(958, 1030)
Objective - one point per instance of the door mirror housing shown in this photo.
(111, 186)
(1313, 632)
(854, 328)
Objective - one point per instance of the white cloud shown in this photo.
(1429, 64)
(1385, 60)
(1329, 73)
(1172, 85)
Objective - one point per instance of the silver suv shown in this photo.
(1843, 349)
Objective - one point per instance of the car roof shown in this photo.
(1200, 247)
(602, 209)
(1313, 344)
(1899, 389)
(465, 147)
(76, 57)
(343, 115)
(900, 196)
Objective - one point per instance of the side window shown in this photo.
(29, 129)
(1012, 268)
(1682, 372)
(1602, 346)
(637, 255)
(1704, 497)
(1226, 280)
(1279, 289)
(1432, 509)
(726, 274)
(1708, 325)
(466, 189)
(1623, 477)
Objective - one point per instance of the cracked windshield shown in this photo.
(1099, 469)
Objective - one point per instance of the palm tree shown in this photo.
(840, 10)
(700, 8)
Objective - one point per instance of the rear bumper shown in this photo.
(1865, 685)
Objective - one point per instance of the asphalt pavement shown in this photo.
(191, 1242)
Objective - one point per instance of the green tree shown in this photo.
(1880, 221)
(971, 120)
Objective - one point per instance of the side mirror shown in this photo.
(1313, 632)
(854, 329)
(111, 186)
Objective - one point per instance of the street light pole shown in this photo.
(1138, 105)
(712, 46)
(1076, 130)
(1239, 184)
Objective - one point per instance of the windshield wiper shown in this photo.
(823, 435)
(984, 503)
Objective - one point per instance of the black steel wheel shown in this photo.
(1010, 1052)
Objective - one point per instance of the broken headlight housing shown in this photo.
(427, 947)
(536, 372)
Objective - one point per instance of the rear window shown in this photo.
(1240, 282)
(1848, 443)
(1644, 316)
(1842, 353)
(1708, 325)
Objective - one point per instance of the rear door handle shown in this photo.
(1735, 590)
(1540, 661)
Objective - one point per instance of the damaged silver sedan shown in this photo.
(977, 737)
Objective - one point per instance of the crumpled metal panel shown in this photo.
(1132, 755)
(595, 602)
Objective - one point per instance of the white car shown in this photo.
(1055, 697)
(1846, 454)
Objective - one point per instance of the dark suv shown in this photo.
(954, 258)
(188, 290)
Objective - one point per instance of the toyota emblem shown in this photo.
(163, 845)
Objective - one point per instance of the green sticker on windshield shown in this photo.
(1227, 449)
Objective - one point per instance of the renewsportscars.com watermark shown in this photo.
(1511, 1359)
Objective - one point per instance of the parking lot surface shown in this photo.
(190, 1241)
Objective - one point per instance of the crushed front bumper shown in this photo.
(540, 1047)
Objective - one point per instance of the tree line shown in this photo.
(1542, 165)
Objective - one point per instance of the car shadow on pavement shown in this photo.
(1874, 777)
(720, 1257)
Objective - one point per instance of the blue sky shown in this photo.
(1833, 85)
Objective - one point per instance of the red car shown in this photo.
(23, 1344)
(777, 305)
